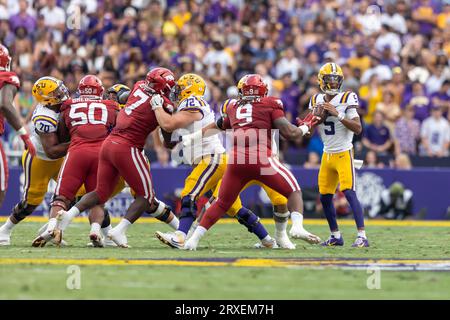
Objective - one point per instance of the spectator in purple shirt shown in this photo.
(419, 100)
(441, 98)
(22, 18)
(377, 136)
(290, 97)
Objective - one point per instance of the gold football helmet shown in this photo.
(119, 93)
(330, 78)
(189, 84)
(50, 91)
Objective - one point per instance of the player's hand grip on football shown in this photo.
(27, 141)
(156, 102)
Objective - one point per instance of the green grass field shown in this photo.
(226, 266)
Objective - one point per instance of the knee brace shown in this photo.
(281, 217)
(248, 219)
(22, 210)
(106, 220)
(59, 201)
(188, 207)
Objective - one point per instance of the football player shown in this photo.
(337, 166)
(42, 165)
(119, 93)
(207, 157)
(9, 84)
(87, 120)
(252, 116)
(121, 155)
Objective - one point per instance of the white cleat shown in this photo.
(54, 236)
(96, 240)
(283, 241)
(119, 238)
(191, 245)
(271, 244)
(172, 239)
(109, 243)
(298, 232)
(5, 239)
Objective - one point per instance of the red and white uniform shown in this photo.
(89, 121)
(11, 78)
(251, 156)
(121, 153)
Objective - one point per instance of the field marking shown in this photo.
(268, 221)
(340, 263)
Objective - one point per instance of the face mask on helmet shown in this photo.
(332, 83)
(59, 95)
(175, 93)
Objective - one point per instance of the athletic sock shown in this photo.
(73, 212)
(7, 226)
(199, 233)
(329, 210)
(105, 230)
(174, 223)
(123, 225)
(52, 222)
(297, 218)
(252, 222)
(358, 213)
(336, 234)
(362, 233)
(95, 227)
(280, 227)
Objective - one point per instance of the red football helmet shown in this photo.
(160, 80)
(5, 59)
(254, 86)
(91, 85)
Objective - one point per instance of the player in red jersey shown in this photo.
(9, 84)
(122, 155)
(87, 120)
(253, 116)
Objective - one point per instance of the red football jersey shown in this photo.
(137, 119)
(88, 120)
(7, 77)
(252, 123)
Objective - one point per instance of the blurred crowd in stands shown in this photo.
(394, 54)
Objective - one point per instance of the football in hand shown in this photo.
(320, 112)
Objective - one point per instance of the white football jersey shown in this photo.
(335, 136)
(205, 146)
(44, 120)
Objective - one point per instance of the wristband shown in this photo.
(22, 131)
(304, 128)
(341, 116)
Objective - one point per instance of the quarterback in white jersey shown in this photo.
(337, 166)
(39, 169)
